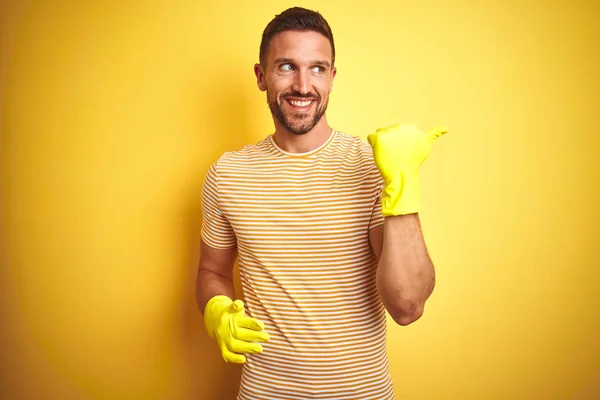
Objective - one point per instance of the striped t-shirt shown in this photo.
(301, 223)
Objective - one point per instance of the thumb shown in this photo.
(236, 307)
(437, 131)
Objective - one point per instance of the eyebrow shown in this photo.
(282, 60)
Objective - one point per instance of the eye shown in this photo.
(286, 67)
(318, 69)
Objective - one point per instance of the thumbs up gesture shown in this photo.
(399, 151)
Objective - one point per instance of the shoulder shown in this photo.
(246, 156)
(355, 146)
(357, 156)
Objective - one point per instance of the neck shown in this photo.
(310, 141)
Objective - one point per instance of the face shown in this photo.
(298, 77)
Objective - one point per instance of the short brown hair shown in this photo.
(295, 19)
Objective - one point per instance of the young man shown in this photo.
(325, 229)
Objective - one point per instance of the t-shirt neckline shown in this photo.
(308, 153)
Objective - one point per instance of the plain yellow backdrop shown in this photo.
(111, 113)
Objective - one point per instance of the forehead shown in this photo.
(299, 46)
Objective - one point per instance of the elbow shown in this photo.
(406, 312)
(405, 304)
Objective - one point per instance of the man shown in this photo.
(325, 229)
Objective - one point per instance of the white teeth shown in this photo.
(300, 103)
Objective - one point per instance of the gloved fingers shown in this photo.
(250, 323)
(372, 139)
(250, 335)
(241, 347)
(232, 357)
(386, 129)
(237, 307)
(406, 130)
(375, 139)
(437, 131)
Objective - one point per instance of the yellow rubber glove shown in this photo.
(225, 321)
(399, 151)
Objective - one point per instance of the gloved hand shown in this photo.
(225, 321)
(399, 151)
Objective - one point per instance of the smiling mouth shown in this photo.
(300, 104)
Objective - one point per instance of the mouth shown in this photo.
(300, 105)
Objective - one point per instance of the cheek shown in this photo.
(273, 91)
(324, 87)
(324, 91)
(279, 84)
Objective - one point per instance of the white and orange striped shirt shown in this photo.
(301, 223)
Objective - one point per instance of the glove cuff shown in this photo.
(400, 196)
(213, 311)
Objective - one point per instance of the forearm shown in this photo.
(405, 274)
(210, 284)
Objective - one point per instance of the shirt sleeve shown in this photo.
(376, 214)
(216, 230)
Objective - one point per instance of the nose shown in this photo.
(302, 82)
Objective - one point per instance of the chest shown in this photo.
(297, 199)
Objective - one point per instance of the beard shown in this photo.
(298, 124)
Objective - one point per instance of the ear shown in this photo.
(260, 77)
(333, 72)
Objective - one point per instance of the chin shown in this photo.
(300, 130)
(299, 133)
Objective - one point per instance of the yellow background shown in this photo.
(111, 112)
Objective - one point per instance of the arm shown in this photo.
(215, 274)
(225, 319)
(405, 273)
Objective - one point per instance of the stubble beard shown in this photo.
(297, 124)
